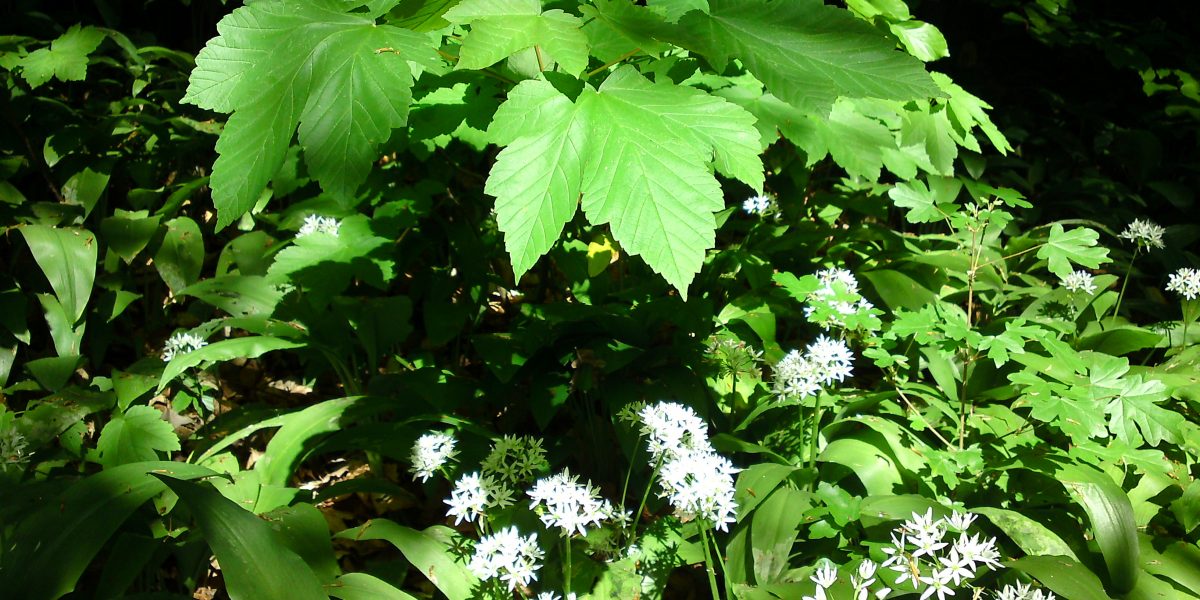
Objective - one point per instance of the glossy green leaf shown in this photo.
(340, 77)
(303, 530)
(806, 52)
(1031, 536)
(238, 295)
(1111, 516)
(50, 550)
(1062, 575)
(299, 432)
(138, 435)
(773, 532)
(1174, 560)
(921, 39)
(254, 562)
(68, 259)
(181, 255)
(360, 586)
(431, 557)
(243, 347)
(127, 235)
(605, 146)
(872, 466)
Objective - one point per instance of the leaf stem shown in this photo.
(814, 432)
(610, 63)
(1128, 273)
(567, 567)
(642, 506)
(708, 564)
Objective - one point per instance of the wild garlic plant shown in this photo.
(193, 393)
(1145, 235)
(1186, 283)
(935, 558)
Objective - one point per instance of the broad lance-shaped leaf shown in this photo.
(638, 155)
(500, 28)
(343, 79)
(805, 52)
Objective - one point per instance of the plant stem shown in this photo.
(642, 506)
(610, 63)
(708, 564)
(1184, 309)
(567, 567)
(1125, 282)
(814, 432)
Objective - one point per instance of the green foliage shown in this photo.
(346, 230)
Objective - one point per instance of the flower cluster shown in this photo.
(563, 502)
(696, 480)
(507, 554)
(758, 205)
(1185, 282)
(1022, 592)
(825, 361)
(837, 302)
(474, 494)
(921, 555)
(318, 224)
(431, 451)
(12, 447)
(1146, 234)
(181, 343)
(1080, 281)
(516, 459)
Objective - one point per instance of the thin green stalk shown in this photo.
(645, 496)
(814, 432)
(1184, 308)
(1124, 283)
(629, 472)
(708, 564)
(567, 567)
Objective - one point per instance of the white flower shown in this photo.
(1144, 233)
(318, 224)
(839, 295)
(978, 550)
(1080, 281)
(515, 459)
(473, 495)
(796, 376)
(569, 505)
(939, 583)
(1185, 282)
(960, 521)
(958, 567)
(831, 358)
(431, 451)
(828, 277)
(825, 576)
(507, 555)
(757, 205)
(181, 343)
(699, 484)
(672, 429)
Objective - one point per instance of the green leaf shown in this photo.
(238, 295)
(855, 141)
(50, 549)
(1136, 405)
(872, 466)
(68, 259)
(430, 556)
(501, 28)
(299, 431)
(921, 204)
(1076, 246)
(1113, 525)
(86, 185)
(243, 347)
(773, 532)
(616, 28)
(66, 58)
(341, 77)
(360, 586)
(807, 53)
(967, 112)
(127, 235)
(637, 151)
(254, 561)
(930, 130)
(921, 39)
(1174, 560)
(1031, 537)
(303, 529)
(181, 255)
(1063, 575)
(136, 436)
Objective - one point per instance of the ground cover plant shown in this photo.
(511, 299)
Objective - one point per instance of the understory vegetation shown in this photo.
(670, 299)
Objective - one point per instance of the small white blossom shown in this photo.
(1146, 234)
(181, 343)
(1186, 283)
(758, 205)
(318, 224)
(563, 502)
(429, 453)
(672, 429)
(939, 583)
(699, 484)
(825, 576)
(1080, 281)
(832, 359)
(839, 295)
(473, 495)
(824, 362)
(508, 555)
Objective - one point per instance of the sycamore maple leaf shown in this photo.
(635, 154)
